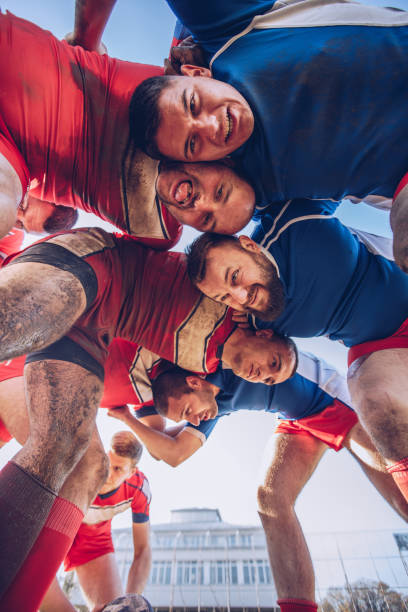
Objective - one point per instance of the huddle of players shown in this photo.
(301, 274)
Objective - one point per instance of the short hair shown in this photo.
(125, 444)
(144, 113)
(170, 383)
(197, 253)
(62, 218)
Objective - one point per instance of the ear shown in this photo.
(265, 333)
(248, 244)
(194, 382)
(195, 71)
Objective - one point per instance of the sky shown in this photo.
(224, 473)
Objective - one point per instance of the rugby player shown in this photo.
(305, 274)
(79, 150)
(92, 552)
(74, 293)
(314, 414)
(285, 96)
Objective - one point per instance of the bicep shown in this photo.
(188, 442)
(154, 421)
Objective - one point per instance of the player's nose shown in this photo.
(209, 127)
(240, 294)
(194, 419)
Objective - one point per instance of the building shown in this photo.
(202, 563)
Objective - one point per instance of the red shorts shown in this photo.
(13, 368)
(403, 183)
(398, 340)
(4, 434)
(331, 425)
(91, 542)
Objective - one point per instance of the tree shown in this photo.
(364, 596)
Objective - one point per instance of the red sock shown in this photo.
(25, 504)
(297, 605)
(44, 559)
(399, 472)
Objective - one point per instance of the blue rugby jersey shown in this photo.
(330, 118)
(315, 386)
(333, 284)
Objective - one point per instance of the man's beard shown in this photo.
(273, 285)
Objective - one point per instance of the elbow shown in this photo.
(176, 460)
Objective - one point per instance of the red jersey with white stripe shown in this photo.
(134, 493)
(64, 127)
(128, 371)
(94, 537)
(136, 293)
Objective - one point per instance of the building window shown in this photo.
(190, 572)
(246, 539)
(233, 572)
(249, 572)
(232, 540)
(264, 572)
(161, 572)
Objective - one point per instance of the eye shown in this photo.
(234, 277)
(192, 104)
(192, 144)
(207, 219)
(219, 193)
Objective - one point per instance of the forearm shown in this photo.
(139, 572)
(160, 444)
(91, 17)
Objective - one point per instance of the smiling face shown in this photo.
(262, 357)
(239, 275)
(209, 197)
(201, 119)
(194, 407)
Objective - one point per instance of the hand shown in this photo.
(187, 52)
(73, 41)
(241, 319)
(122, 413)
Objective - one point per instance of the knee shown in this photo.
(271, 502)
(62, 443)
(98, 471)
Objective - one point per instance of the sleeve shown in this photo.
(212, 22)
(203, 430)
(146, 409)
(141, 501)
(325, 376)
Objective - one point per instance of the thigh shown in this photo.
(100, 580)
(39, 303)
(62, 400)
(289, 462)
(379, 388)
